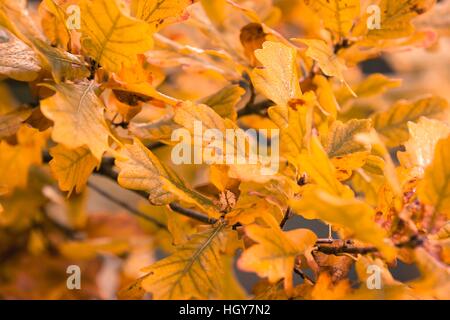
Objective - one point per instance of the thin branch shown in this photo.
(191, 213)
(338, 246)
(287, 215)
(126, 206)
(304, 276)
(255, 108)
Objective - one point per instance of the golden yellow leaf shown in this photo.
(295, 124)
(14, 16)
(325, 96)
(368, 184)
(419, 149)
(11, 122)
(341, 138)
(353, 214)
(111, 37)
(89, 249)
(9, 102)
(160, 13)
(373, 85)
(72, 167)
(140, 169)
(321, 170)
(215, 10)
(278, 77)
(193, 271)
(435, 188)
(22, 206)
(323, 54)
(53, 21)
(63, 65)
(275, 252)
(17, 60)
(337, 15)
(392, 123)
(435, 280)
(396, 17)
(15, 160)
(224, 101)
(231, 288)
(325, 289)
(78, 116)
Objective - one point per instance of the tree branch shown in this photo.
(126, 206)
(255, 108)
(191, 213)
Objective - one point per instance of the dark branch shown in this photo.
(191, 213)
(126, 206)
(255, 108)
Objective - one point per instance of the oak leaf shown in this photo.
(392, 123)
(160, 13)
(275, 252)
(15, 160)
(278, 77)
(351, 213)
(194, 270)
(78, 116)
(111, 37)
(72, 167)
(435, 188)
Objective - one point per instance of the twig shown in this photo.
(304, 276)
(255, 108)
(126, 206)
(191, 213)
(287, 216)
(338, 246)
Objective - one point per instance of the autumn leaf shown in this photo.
(373, 85)
(435, 280)
(295, 128)
(392, 123)
(111, 37)
(160, 13)
(435, 188)
(62, 64)
(345, 152)
(140, 169)
(396, 17)
(278, 78)
(193, 271)
(224, 101)
(341, 139)
(78, 116)
(12, 121)
(337, 15)
(53, 21)
(275, 252)
(419, 149)
(351, 213)
(72, 167)
(215, 10)
(321, 170)
(323, 54)
(15, 160)
(17, 60)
